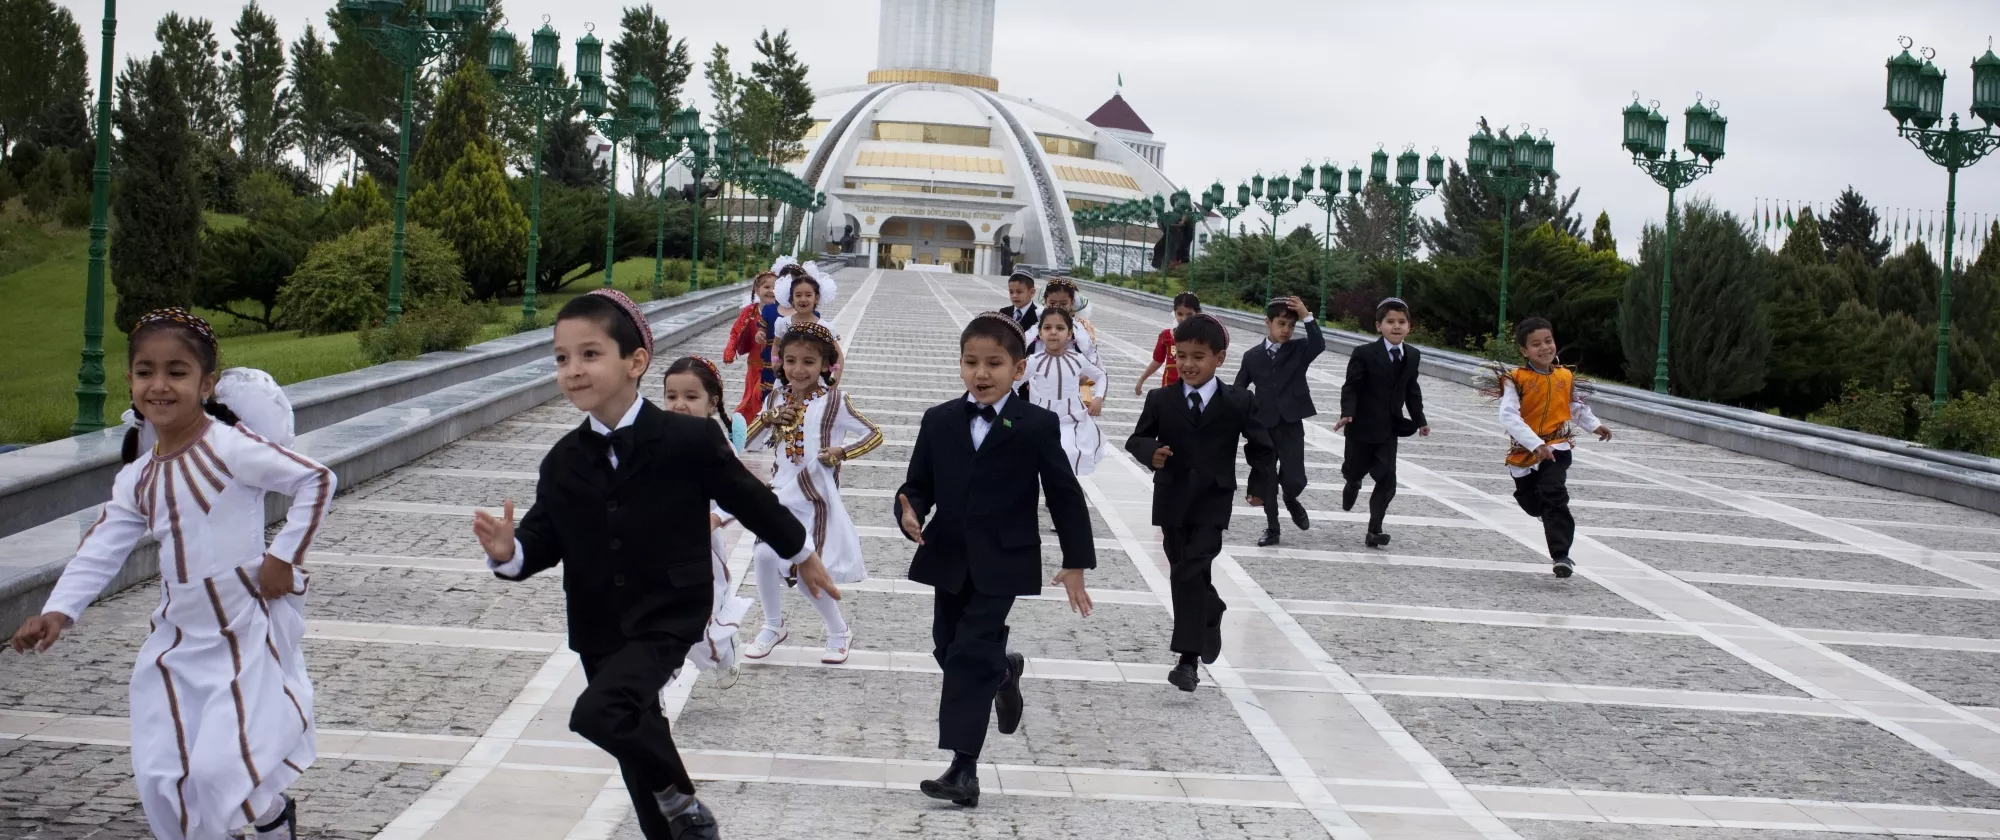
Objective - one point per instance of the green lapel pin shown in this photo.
(1008, 423)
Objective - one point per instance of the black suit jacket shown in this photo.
(633, 544)
(1029, 322)
(1280, 380)
(1198, 484)
(1376, 392)
(985, 528)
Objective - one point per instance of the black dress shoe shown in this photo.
(1348, 494)
(698, 824)
(1377, 539)
(1269, 539)
(960, 786)
(1211, 648)
(1564, 567)
(1007, 704)
(1183, 677)
(1298, 511)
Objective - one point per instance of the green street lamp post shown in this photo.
(541, 96)
(1277, 197)
(725, 151)
(90, 374)
(1217, 195)
(1646, 139)
(1510, 169)
(663, 147)
(684, 132)
(1916, 99)
(643, 123)
(410, 44)
(1327, 198)
(1403, 195)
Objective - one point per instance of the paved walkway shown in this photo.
(1750, 651)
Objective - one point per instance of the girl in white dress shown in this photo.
(805, 300)
(693, 387)
(810, 425)
(1056, 373)
(222, 710)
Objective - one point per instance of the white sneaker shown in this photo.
(727, 678)
(769, 638)
(836, 648)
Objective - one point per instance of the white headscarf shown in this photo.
(257, 400)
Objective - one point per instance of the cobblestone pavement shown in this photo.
(1750, 651)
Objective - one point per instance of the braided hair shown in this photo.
(195, 334)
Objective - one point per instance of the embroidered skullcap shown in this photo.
(177, 315)
(631, 311)
(1002, 318)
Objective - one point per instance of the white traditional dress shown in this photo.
(1055, 382)
(221, 705)
(717, 651)
(810, 489)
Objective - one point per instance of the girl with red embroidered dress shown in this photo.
(222, 709)
(811, 424)
(746, 340)
(1185, 304)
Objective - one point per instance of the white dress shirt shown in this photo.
(1580, 416)
(1207, 392)
(1395, 350)
(981, 425)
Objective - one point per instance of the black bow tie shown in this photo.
(980, 410)
(600, 446)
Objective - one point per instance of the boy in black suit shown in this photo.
(1381, 381)
(623, 502)
(979, 461)
(1021, 294)
(1187, 433)
(1276, 370)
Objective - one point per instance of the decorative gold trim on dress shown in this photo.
(942, 77)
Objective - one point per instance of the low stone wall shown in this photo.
(357, 448)
(42, 483)
(1956, 477)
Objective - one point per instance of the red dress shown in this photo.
(1163, 352)
(745, 339)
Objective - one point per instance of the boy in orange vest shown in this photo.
(1540, 407)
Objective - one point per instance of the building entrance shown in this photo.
(908, 241)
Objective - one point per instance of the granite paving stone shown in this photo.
(1948, 539)
(1738, 559)
(1038, 629)
(444, 490)
(1917, 511)
(889, 559)
(1316, 580)
(1414, 540)
(1550, 830)
(1934, 616)
(514, 431)
(828, 711)
(1719, 524)
(1962, 677)
(472, 456)
(422, 689)
(436, 598)
(400, 533)
(1681, 751)
(1584, 657)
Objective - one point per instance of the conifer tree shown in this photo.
(724, 88)
(646, 47)
(1853, 224)
(471, 208)
(313, 116)
(157, 207)
(1803, 244)
(1367, 226)
(1720, 339)
(189, 47)
(1600, 234)
(463, 117)
(777, 83)
(1907, 283)
(251, 79)
(41, 67)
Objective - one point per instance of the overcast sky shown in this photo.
(1234, 86)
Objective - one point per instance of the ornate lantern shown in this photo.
(1278, 187)
(386, 8)
(1545, 156)
(1930, 96)
(1329, 178)
(1635, 128)
(697, 141)
(469, 12)
(725, 142)
(1242, 195)
(1524, 151)
(1257, 185)
(1986, 87)
(1656, 134)
(589, 57)
(1406, 168)
(438, 12)
(1305, 180)
(1378, 167)
(1215, 193)
(639, 96)
(1354, 179)
(1434, 169)
(1696, 136)
(542, 54)
(1478, 152)
(1501, 158)
(1159, 205)
(1901, 99)
(500, 54)
(356, 11)
(686, 122)
(1718, 132)
(593, 97)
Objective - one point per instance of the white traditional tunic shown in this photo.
(1055, 382)
(221, 705)
(812, 489)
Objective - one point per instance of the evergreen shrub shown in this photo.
(1970, 423)
(344, 282)
(442, 325)
(1859, 408)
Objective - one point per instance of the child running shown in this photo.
(811, 424)
(1187, 434)
(1541, 406)
(1021, 296)
(1381, 382)
(746, 339)
(1055, 377)
(1185, 304)
(622, 502)
(694, 388)
(222, 710)
(805, 297)
(978, 463)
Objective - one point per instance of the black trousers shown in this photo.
(1290, 441)
(1376, 460)
(619, 711)
(1191, 551)
(1544, 493)
(969, 629)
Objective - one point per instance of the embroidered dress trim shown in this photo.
(794, 434)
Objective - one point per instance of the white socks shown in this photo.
(771, 588)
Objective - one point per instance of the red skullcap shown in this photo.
(631, 311)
